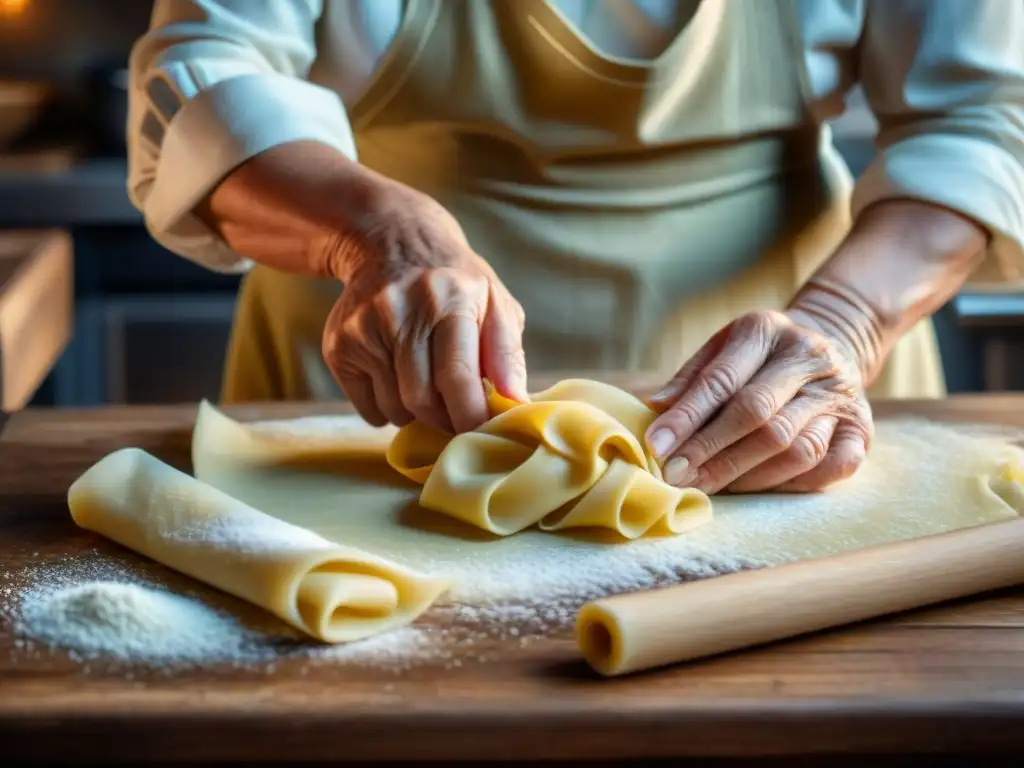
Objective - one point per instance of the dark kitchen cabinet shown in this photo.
(150, 327)
(145, 349)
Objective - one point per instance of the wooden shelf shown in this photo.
(36, 301)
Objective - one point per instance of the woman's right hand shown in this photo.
(422, 318)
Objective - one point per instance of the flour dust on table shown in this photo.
(921, 478)
(279, 510)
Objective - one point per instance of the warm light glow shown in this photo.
(12, 7)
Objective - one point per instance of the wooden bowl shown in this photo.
(21, 104)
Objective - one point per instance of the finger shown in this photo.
(684, 377)
(726, 469)
(341, 356)
(455, 349)
(359, 390)
(806, 452)
(752, 408)
(744, 352)
(846, 454)
(501, 349)
(388, 398)
(416, 385)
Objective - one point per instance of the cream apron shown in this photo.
(632, 207)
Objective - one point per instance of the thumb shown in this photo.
(685, 376)
(502, 360)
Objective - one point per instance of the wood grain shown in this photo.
(946, 679)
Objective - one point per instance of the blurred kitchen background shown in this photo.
(149, 327)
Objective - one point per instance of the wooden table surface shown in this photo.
(949, 678)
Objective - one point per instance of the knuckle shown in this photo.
(699, 448)
(852, 409)
(756, 405)
(419, 399)
(455, 374)
(720, 381)
(330, 344)
(462, 311)
(809, 448)
(336, 346)
(683, 415)
(440, 285)
(450, 285)
(780, 432)
(807, 345)
(844, 392)
(390, 308)
(756, 325)
(389, 297)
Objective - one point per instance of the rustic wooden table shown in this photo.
(947, 679)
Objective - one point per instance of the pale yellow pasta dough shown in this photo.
(341, 544)
(332, 592)
(573, 457)
(330, 475)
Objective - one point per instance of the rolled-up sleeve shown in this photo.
(945, 78)
(212, 84)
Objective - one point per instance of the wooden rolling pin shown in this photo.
(642, 630)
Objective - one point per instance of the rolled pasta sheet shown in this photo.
(334, 593)
(573, 457)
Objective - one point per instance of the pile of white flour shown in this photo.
(128, 620)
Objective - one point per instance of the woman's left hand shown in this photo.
(769, 403)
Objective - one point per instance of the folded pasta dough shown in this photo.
(332, 592)
(573, 457)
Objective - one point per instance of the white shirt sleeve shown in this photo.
(945, 78)
(212, 84)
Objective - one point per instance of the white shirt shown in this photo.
(944, 78)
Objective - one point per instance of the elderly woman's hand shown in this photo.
(769, 403)
(422, 318)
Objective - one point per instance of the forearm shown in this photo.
(900, 263)
(291, 208)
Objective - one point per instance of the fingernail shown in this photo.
(676, 470)
(662, 394)
(661, 442)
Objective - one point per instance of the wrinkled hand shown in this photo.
(422, 319)
(769, 403)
